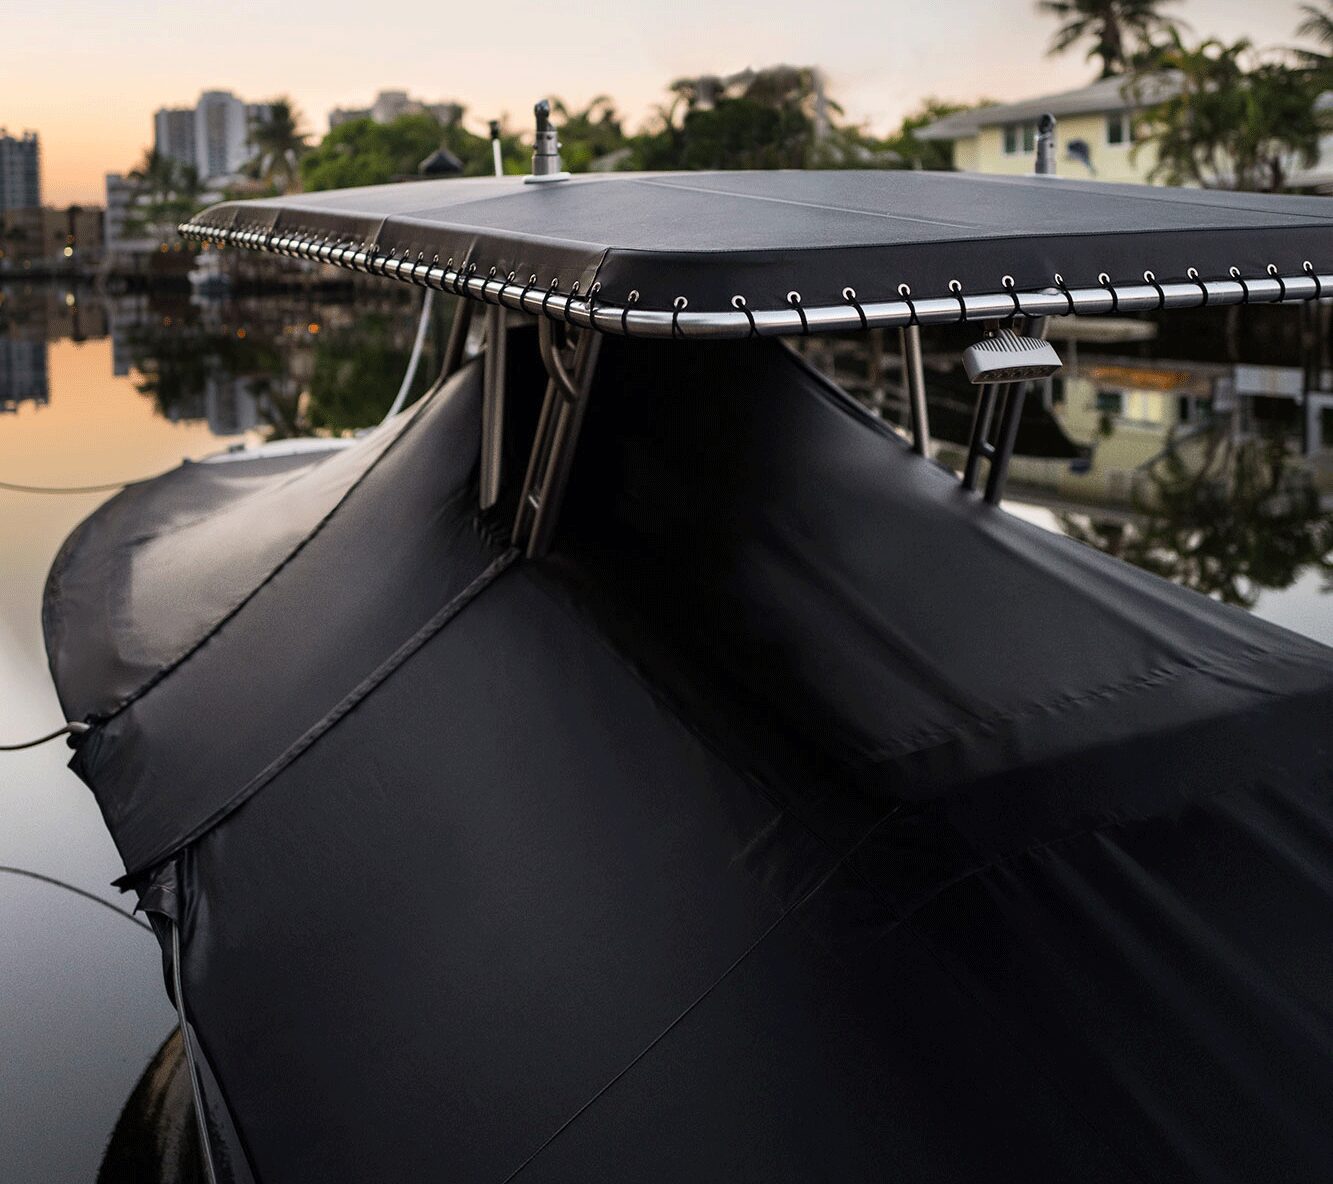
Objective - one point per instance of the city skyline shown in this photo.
(120, 64)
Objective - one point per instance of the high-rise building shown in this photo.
(173, 134)
(215, 135)
(20, 171)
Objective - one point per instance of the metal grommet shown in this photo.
(905, 294)
(794, 300)
(632, 298)
(739, 302)
(1105, 281)
(1234, 272)
(1281, 283)
(1069, 298)
(957, 289)
(1314, 275)
(849, 295)
(678, 306)
(1149, 278)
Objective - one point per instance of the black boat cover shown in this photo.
(708, 237)
(799, 817)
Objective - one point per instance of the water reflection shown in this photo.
(1199, 450)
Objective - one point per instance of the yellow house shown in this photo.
(1094, 134)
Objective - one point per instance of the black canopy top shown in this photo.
(704, 253)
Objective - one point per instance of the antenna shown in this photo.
(546, 162)
(497, 160)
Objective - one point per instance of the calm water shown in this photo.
(1198, 455)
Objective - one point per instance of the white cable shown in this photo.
(427, 304)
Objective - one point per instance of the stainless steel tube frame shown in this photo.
(599, 313)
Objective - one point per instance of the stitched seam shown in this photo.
(1215, 664)
(334, 716)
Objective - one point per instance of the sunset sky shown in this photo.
(88, 74)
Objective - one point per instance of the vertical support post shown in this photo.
(492, 407)
(914, 372)
(1013, 413)
(555, 439)
(564, 440)
(978, 447)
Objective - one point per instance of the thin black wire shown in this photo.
(74, 888)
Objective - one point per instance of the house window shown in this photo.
(1019, 137)
(1120, 128)
(1110, 402)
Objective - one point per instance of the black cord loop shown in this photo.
(632, 298)
(739, 302)
(1192, 274)
(1309, 270)
(1105, 281)
(1007, 283)
(1244, 287)
(1069, 296)
(546, 298)
(573, 293)
(905, 295)
(678, 306)
(523, 295)
(957, 289)
(1281, 283)
(849, 295)
(1149, 278)
(794, 300)
(595, 287)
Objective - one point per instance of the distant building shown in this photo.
(216, 135)
(173, 134)
(20, 171)
(1094, 137)
(391, 104)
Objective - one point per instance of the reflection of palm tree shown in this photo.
(1234, 523)
(1115, 27)
(279, 145)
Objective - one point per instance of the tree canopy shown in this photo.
(1115, 30)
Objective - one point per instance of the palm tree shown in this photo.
(1317, 24)
(1116, 28)
(1238, 119)
(279, 145)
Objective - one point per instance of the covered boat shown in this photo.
(636, 762)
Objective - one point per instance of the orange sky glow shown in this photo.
(88, 74)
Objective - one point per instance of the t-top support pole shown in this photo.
(556, 437)
(909, 338)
